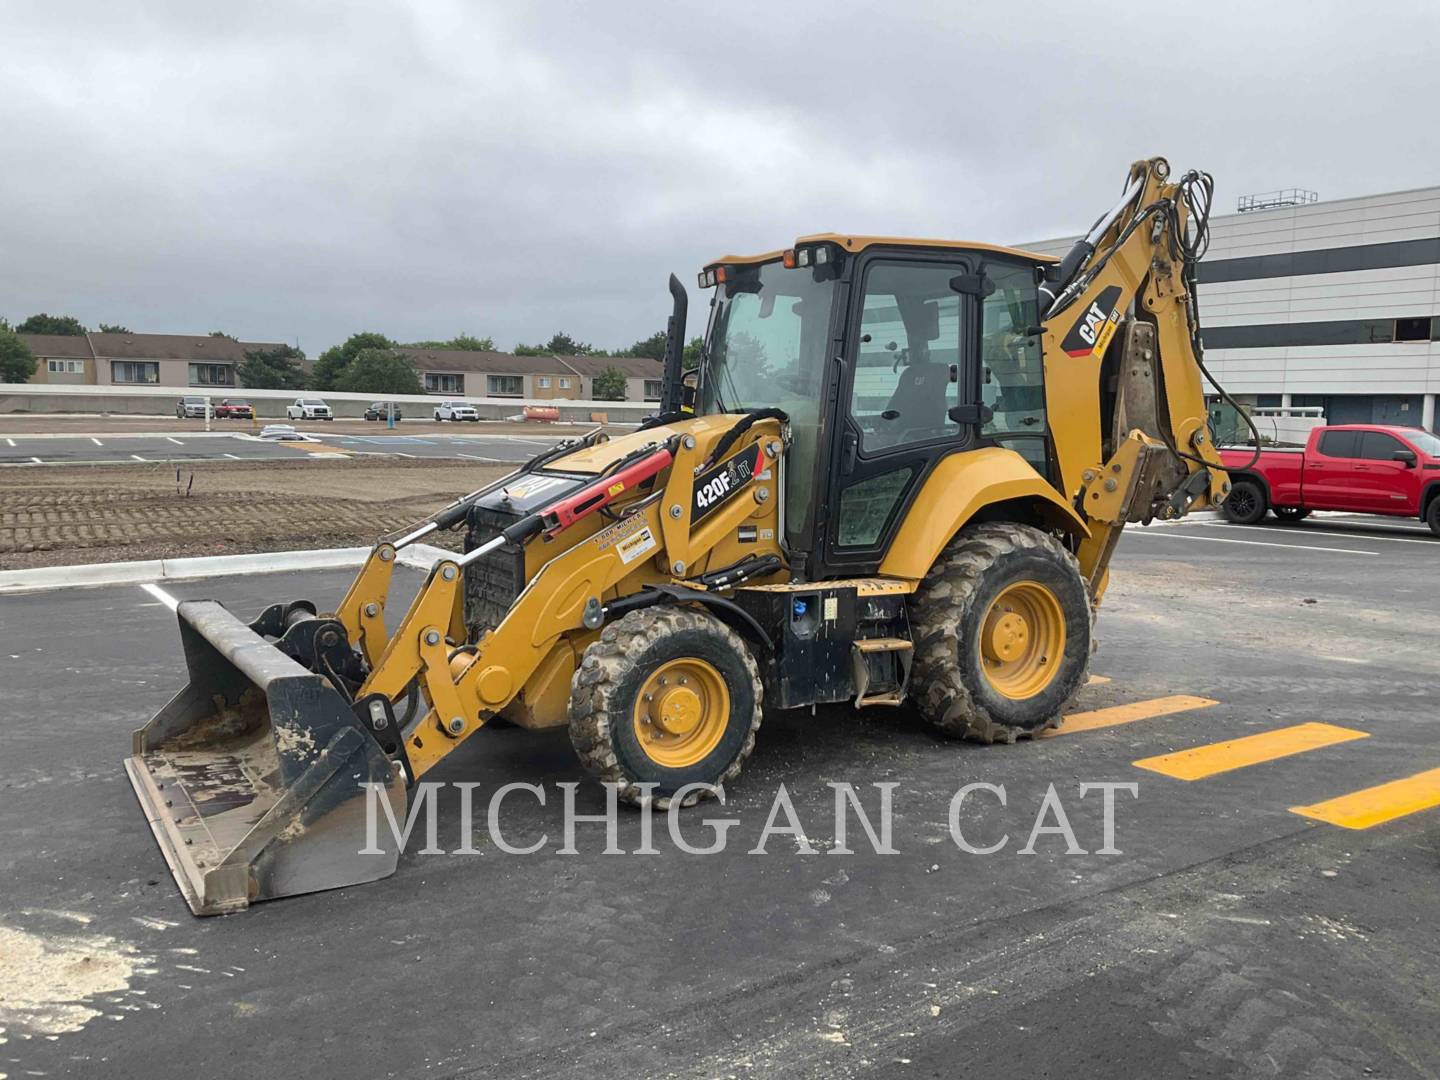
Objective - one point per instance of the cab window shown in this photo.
(1377, 446)
(1012, 371)
(1340, 444)
(908, 361)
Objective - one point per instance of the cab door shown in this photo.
(909, 360)
(1331, 481)
(1391, 486)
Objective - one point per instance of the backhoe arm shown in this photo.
(1123, 365)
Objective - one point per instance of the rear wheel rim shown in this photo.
(1022, 640)
(681, 712)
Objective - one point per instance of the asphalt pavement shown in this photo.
(1268, 908)
(34, 450)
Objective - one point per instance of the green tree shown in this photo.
(609, 385)
(222, 333)
(64, 325)
(464, 342)
(379, 371)
(17, 362)
(330, 365)
(690, 359)
(653, 347)
(561, 344)
(114, 328)
(273, 369)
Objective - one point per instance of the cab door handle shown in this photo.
(849, 450)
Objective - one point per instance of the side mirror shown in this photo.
(1407, 456)
(972, 285)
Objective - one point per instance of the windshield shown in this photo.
(766, 349)
(1424, 441)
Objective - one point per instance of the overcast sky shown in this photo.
(302, 170)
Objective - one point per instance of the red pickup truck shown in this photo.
(1358, 468)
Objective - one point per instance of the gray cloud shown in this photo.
(308, 169)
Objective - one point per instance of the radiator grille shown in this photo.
(493, 581)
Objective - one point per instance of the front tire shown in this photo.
(666, 696)
(1246, 504)
(1002, 631)
(1432, 515)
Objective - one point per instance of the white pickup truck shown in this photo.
(309, 408)
(456, 410)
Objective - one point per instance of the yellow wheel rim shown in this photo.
(1022, 640)
(681, 712)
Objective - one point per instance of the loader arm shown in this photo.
(1123, 365)
(466, 687)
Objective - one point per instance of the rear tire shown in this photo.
(1246, 504)
(698, 724)
(1002, 631)
(1289, 514)
(1432, 514)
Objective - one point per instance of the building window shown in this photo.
(65, 367)
(564, 383)
(134, 371)
(1417, 329)
(654, 388)
(439, 382)
(504, 385)
(544, 382)
(1267, 401)
(212, 375)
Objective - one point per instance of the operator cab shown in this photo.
(888, 355)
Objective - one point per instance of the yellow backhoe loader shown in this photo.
(897, 476)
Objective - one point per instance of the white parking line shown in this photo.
(10, 441)
(96, 441)
(233, 457)
(137, 457)
(1306, 530)
(487, 460)
(1170, 535)
(37, 461)
(177, 442)
(160, 594)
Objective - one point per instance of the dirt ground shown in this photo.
(90, 514)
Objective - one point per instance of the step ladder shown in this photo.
(893, 694)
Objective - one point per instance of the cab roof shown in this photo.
(860, 243)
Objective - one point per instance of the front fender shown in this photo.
(959, 488)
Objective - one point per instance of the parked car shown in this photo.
(380, 410)
(284, 433)
(309, 408)
(456, 410)
(191, 405)
(1358, 468)
(234, 409)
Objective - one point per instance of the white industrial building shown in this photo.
(1334, 305)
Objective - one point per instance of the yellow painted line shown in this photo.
(1377, 805)
(1201, 761)
(1097, 680)
(1128, 714)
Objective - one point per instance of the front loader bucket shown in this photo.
(251, 777)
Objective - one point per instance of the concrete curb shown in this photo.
(417, 557)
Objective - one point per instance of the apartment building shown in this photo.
(139, 359)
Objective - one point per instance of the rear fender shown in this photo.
(963, 486)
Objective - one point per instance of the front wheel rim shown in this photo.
(1022, 640)
(681, 712)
